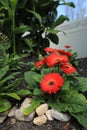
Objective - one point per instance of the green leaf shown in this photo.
(82, 84)
(66, 85)
(10, 86)
(37, 77)
(53, 31)
(3, 71)
(13, 95)
(21, 29)
(34, 104)
(4, 105)
(23, 92)
(22, 4)
(54, 38)
(37, 91)
(36, 15)
(74, 101)
(82, 118)
(60, 20)
(29, 78)
(71, 4)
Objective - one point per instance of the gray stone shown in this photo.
(3, 116)
(60, 115)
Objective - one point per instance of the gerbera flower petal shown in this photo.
(68, 68)
(63, 59)
(50, 50)
(52, 59)
(40, 63)
(62, 52)
(68, 46)
(51, 83)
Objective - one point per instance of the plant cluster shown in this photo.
(54, 80)
(38, 17)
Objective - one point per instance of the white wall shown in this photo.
(76, 36)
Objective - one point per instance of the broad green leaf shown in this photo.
(34, 104)
(36, 15)
(29, 78)
(3, 71)
(24, 92)
(60, 20)
(54, 38)
(13, 95)
(21, 29)
(66, 85)
(4, 105)
(74, 101)
(53, 31)
(82, 84)
(82, 118)
(37, 91)
(37, 77)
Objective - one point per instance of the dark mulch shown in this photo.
(50, 125)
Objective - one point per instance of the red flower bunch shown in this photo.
(52, 82)
(57, 57)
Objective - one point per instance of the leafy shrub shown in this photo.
(54, 80)
(38, 17)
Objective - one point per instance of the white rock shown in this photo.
(21, 117)
(42, 109)
(60, 116)
(40, 120)
(3, 116)
(49, 115)
(26, 102)
(12, 112)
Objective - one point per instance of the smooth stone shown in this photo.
(12, 112)
(49, 115)
(42, 109)
(60, 115)
(40, 120)
(26, 102)
(3, 116)
(21, 117)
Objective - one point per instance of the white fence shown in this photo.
(76, 36)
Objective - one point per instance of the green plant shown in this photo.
(55, 81)
(36, 16)
(8, 88)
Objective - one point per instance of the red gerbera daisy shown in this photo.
(51, 83)
(63, 59)
(62, 52)
(40, 63)
(50, 50)
(68, 68)
(68, 46)
(52, 59)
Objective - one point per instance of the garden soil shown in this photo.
(11, 124)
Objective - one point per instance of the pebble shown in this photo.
(3, 116)
(12, 111)
(60, 116)
(40, 120)
(49, 115)
(42, 109)
(21, 117)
